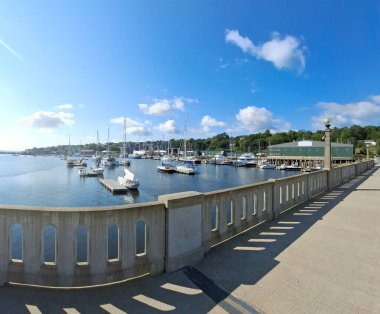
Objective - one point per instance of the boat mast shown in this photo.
(184, 137)
(108, 144)
(125, 137)
(97, 144)
(69, 149)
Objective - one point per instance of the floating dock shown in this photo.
(113, 186)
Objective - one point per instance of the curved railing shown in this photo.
(66, 247)
(81, 246)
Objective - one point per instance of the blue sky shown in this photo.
(75, 67)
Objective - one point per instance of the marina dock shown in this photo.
(113, 186)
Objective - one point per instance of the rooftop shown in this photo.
(309, 144)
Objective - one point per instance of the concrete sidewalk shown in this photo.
(321, 257)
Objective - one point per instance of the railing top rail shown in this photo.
(82, 209)
(240, 187)
(294, 177)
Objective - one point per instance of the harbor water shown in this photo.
(47, 181)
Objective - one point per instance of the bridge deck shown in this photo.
(322, 257)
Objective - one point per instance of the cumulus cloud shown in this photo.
(138, 130)
(128, 121)
(133, 127)
(162, 107)
(65, 107)
(48, 120)
(208, 122)
(179, 104)
(375, 99)
(159, 108)
(257, 120)
(168, 127)
(362, 113)
(283, 52)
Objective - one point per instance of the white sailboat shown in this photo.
(109, 161)
(129, 180)
(125, 161)
(69, 162)
(186, 167)
(97, 168)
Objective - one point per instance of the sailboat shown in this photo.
(96, 158)
(128, 180)
(97, 168)
(186, 167)
(69, 161)
(109, 161)
(125, 161)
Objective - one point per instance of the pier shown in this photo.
(307, 243)
(113, 186)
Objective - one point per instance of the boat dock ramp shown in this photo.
(113, 186)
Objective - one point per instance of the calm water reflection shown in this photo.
(46, 181)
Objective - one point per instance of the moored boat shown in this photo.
(97, 169)
(267, 165)
(128, 180)
(168, 168)
(293, 167)
(186, 168)
(109, 161)
(246, 160)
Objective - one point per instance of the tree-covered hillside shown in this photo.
(355, 135)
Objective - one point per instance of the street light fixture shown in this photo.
(327, 122)
(327, 163)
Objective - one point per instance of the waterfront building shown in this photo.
(309, 152)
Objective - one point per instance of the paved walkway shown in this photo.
(322, 257)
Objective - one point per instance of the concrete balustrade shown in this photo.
(176, 231)
(65, 270)
(234, 210)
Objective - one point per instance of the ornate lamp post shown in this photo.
(327, 162)
(367, 146)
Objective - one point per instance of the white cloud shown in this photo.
(257, 120)
(244, 43)
(168, 127)
(48, 120)
(128, 122)
(362, 113)
(179, 104)
(375, 99)
(208, 122)
(138, 130)
(162, 107)
(158, 108)
(65, 107)
(284, 53)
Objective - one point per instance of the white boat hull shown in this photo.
(186, 169)
(128, 183)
